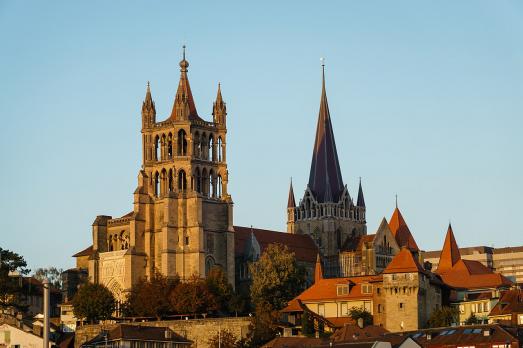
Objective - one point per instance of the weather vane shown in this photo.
(322, 60)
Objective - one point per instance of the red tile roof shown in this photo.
(404, 262)
(510, 302)
(468, 274)
(401, 231)
(302, 245)
(326, 289)
(450, 253)
(352, 332)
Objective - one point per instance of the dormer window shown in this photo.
(342, 289)
(366, 288)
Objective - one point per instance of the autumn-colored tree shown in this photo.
(10, 287)
(276, 277)
(219, 287)
(193, 297)
(150, 297)
(93, 302)
(223, 339)
(445, 316)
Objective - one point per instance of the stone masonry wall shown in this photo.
(197, 330)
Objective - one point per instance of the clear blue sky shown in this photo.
(426, 99)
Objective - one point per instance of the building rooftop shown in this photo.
(303, 246)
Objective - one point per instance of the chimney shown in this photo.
(360, 323)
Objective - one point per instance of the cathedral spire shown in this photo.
(325, 179)
(148, 108)
(184, 107)
(219, 110)
(361, 200)
(450, 254)
(291, 203)
(318, 271)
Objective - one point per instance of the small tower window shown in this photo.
(157, 148)
(156, 184)
(182, 181)
(220, 149)
(182, 143)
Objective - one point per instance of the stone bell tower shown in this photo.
(181, 223)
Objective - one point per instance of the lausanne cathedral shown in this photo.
(182, 217)
(182, 224)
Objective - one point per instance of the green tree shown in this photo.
(356, 313)
(223, 339)
(12, 268)
(93, 302)
(53, 274)
(473, 320)
(276, 277)
(307, 324)
(150, 297)
(219, 287)
(193, 297)
(445, 316)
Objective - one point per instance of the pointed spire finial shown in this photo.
(291, 202)
(396, 195)
(183, 52)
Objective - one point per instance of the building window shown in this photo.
(186, 240)
(366, 289)
(321, 309)
(462, 309)
(344, 309)
(401, 306)
(342, 290)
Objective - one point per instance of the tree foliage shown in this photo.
(193, 297)
(307, 324)
(224, 339)
(93, 302)
(10, 286)
(356, 313)
(445, 316)
(218, 285)
(150, 297)
(473, 320)
(53, 274)
(276, 277)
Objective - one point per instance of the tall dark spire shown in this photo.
(325, 179)
(291, 203)
(361, 200)
(184, 106)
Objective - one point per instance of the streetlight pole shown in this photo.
(45, 284)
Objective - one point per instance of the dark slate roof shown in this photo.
(325, 179)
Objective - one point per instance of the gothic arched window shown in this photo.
(182, 181)
(182, 143)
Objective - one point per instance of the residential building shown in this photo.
(507, 261)
(14, 337)
(136, 336)
(475, 288)
(509, 309)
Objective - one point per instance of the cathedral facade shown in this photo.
(181, 223)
